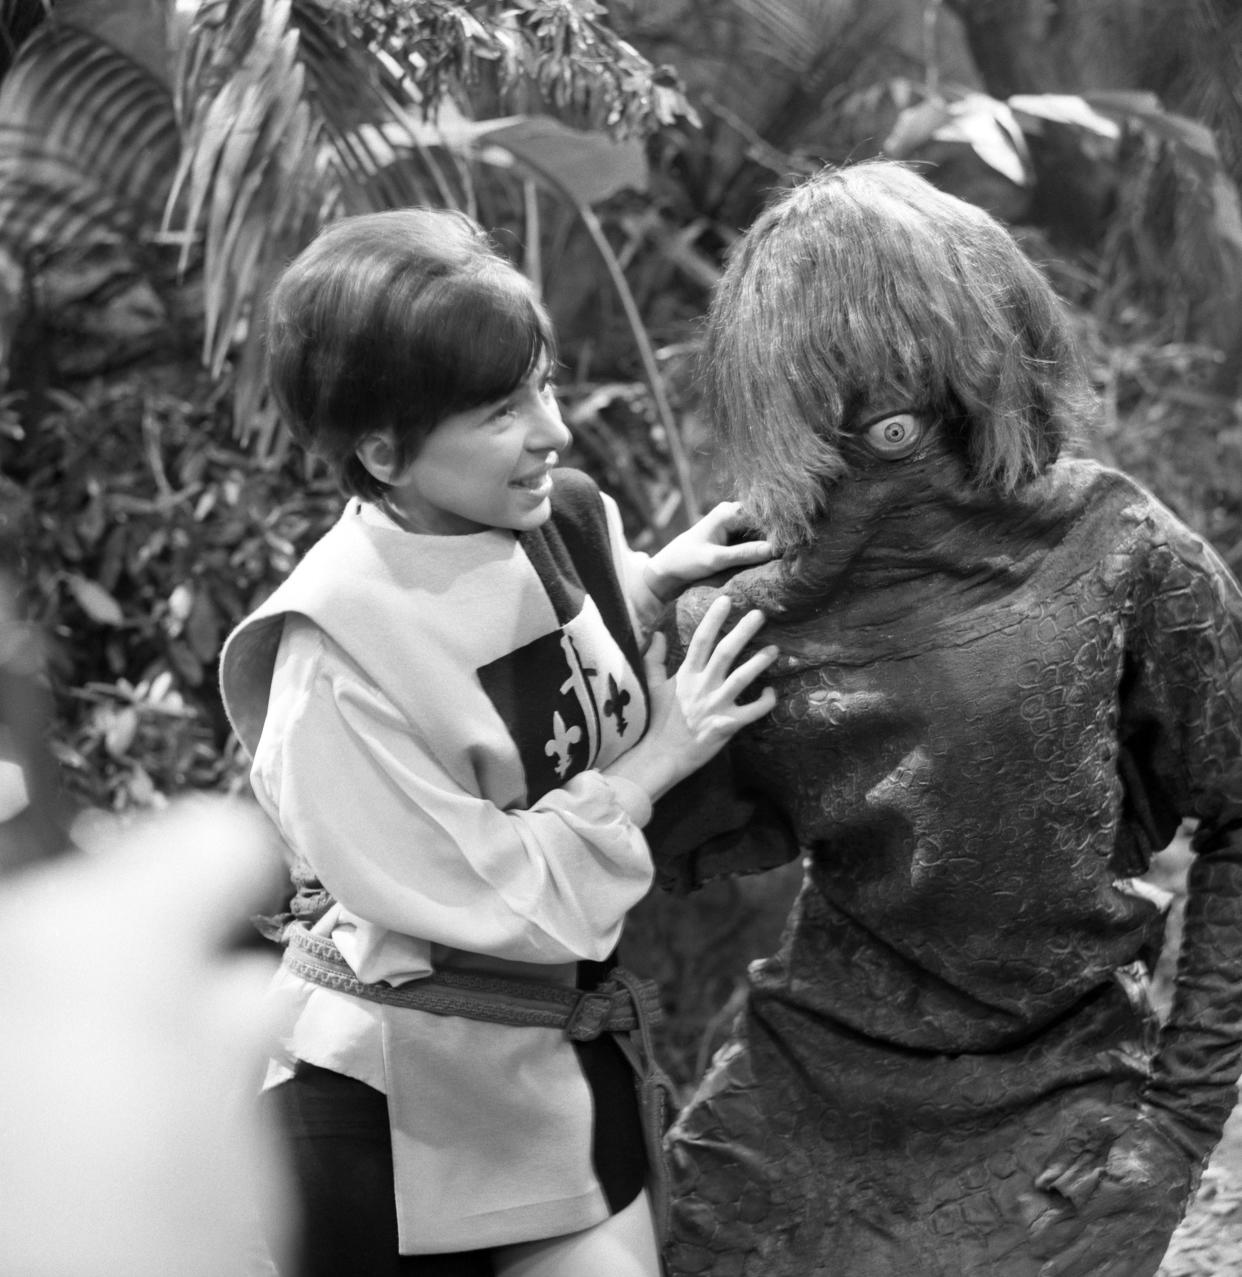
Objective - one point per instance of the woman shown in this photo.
(454, 731)
(1006, 677)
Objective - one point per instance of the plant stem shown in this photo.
(676, 445)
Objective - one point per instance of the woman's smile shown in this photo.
(487, 467)
(538, 483)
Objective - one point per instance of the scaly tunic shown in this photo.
(990, 715)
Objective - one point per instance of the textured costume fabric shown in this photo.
(990, 715)
(428, 716)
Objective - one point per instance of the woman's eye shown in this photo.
(895, 437)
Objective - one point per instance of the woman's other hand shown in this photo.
(697, 710)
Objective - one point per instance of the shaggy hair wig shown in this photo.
(390, 322)
(866, 290)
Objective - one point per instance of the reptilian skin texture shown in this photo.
(989, 716)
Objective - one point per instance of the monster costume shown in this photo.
(992, 711)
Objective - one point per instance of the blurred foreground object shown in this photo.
(132, 1044)
(31, 828)
(32, 815)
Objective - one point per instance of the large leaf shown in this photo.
(588, 167)
(975, 120)
(585, 167)
(1031, 109)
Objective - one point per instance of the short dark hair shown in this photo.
(390, 322)
(867, 288)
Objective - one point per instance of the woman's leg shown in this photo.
(340, 1153)
(624, 1245)
(336, 1132)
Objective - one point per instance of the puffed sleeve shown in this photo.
(397, 842)
(1180, 733)
(646, 608)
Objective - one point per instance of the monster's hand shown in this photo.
(1110, 1200)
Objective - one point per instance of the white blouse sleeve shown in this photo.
(399, 843)
(630, 565)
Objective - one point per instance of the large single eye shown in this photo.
(895, 436)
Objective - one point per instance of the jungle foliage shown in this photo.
(159, 163)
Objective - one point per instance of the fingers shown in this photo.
(722, 519)
(745, 554)
(714, 675)
(749, 670)
(703, 640)
(721, 523)
(731, 647)
(655, 658)
(753, 711)
(715, 656)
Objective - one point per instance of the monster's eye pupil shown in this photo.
(897, 436)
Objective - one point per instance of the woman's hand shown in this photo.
(696, 711)
(703, 550)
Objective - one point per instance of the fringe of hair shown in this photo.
(391, 322)
(863, 290)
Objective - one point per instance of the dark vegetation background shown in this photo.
(153, 176)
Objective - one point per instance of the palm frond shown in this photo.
(18, 21)
(284, 116)
(249, 158)
(365, 103)
(88, 145)
(787, 31)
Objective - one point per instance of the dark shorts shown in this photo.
(340, 1155)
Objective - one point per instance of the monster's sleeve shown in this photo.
(1180, 724)
(719, 821)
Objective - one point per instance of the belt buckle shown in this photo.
(591, 1012)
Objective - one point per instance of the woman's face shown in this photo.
(486, 467)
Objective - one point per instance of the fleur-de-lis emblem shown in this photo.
(563, 739)
(614, 706)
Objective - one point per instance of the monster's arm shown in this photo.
(718, 821)
(1182, 720)
(1180, 735)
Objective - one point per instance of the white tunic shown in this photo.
(424, 692)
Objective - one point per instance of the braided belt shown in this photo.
(622, 1003)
